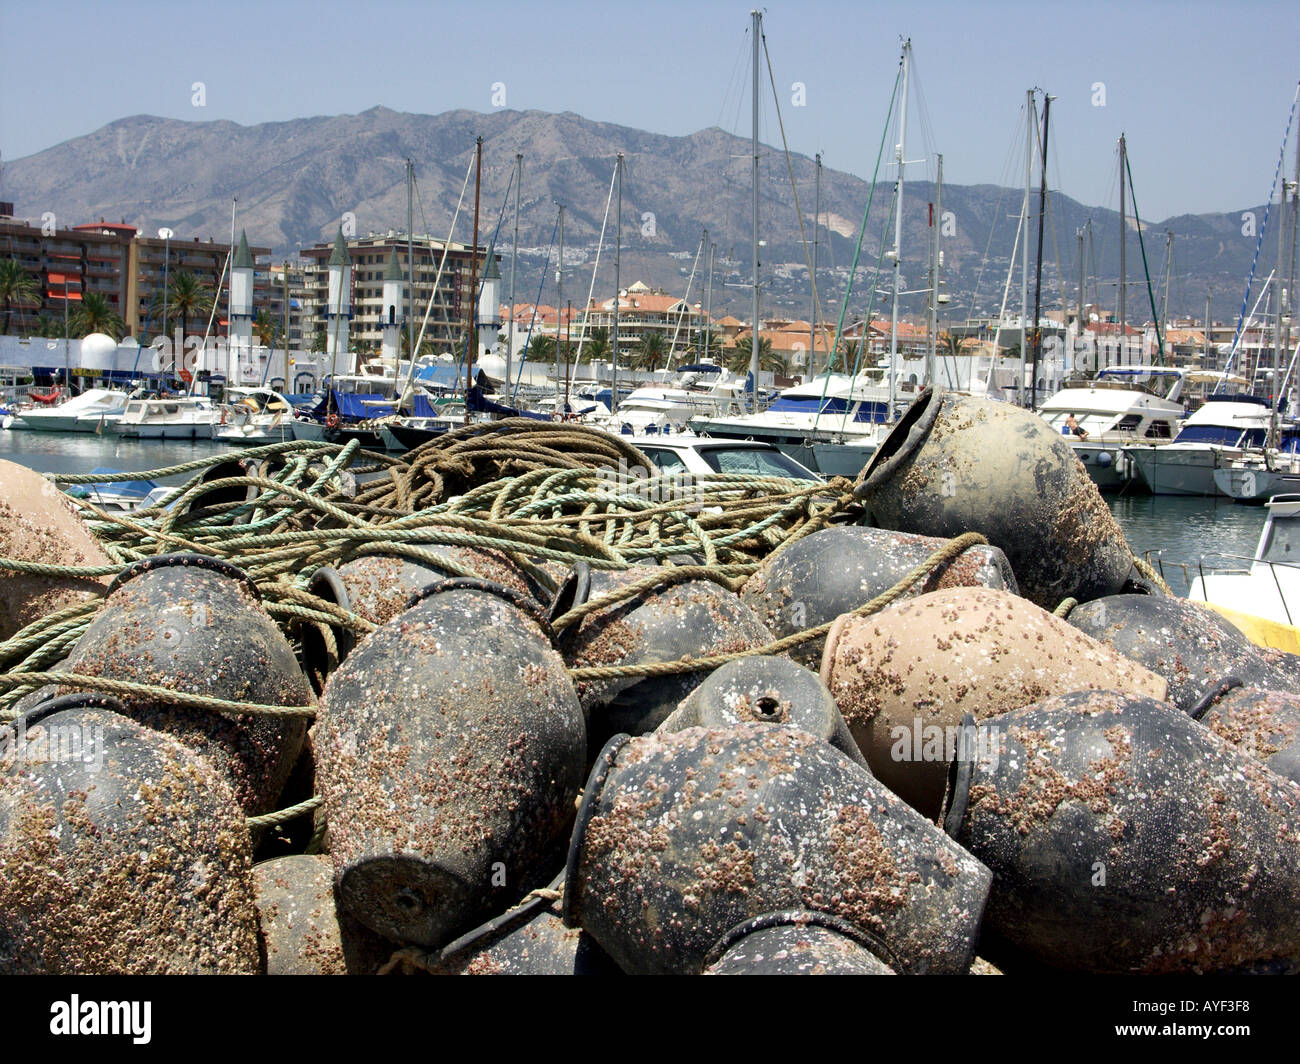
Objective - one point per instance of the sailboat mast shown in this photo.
(1291, 260)
(1078, 319)
(1038, 279)
(471, 339)
(708, 304)
(900, 153)
(1162, 326)
(935, 221)
(514, 269)
(559, 310)
(1206, 355)
(618, 256)
(1123, 245)
(812, 295)
(1031, 113)
(410, 262)
(754, 341)
(1283, 292)
(230, 300)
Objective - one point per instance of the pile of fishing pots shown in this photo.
(893, 750)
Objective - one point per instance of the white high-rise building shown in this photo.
(392, 315)
(338, 309)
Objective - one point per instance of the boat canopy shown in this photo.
(1221, 435)
(833, 405)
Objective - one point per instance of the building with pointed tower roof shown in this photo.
(239, 368)
(369, 257)
(338, 307)
(393, 315)
(489, 308)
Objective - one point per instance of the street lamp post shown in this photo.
(166, 235)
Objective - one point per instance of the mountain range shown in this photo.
(296, 180)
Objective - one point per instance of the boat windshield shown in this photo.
(758, 461)
(1283, 542)
(1221, 435)
(1142, 378)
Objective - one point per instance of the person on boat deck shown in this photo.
(1072, 424)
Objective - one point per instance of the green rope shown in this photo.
(152, 692)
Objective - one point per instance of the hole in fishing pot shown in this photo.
(904, 439)
(768, 708)
(408, 900)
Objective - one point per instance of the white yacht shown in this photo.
(253, 415)
(1259, 475)
(1270, 588)
(1120, 406)
(1211, 438)
(184, 417)
(703, 389)
(831, 410)
(93, 410)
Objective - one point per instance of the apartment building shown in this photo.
(114, 260)
(369, 257)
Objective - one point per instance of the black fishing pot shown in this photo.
(683, 836)
(1187, 643)
(450, 747)
(836, 570)
(196, 625)
(797, 942)
(1260, 723)
(378, 586)
(121, 851)
(765, 690)
(531, 940)
(45, 693)
(302, 932)
(695, 617)
(210, 503)
(1125, 838)
(954, 464)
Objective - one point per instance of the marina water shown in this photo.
(1182, 529)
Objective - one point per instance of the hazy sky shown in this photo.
(1203, 90)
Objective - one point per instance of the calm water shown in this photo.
(77, 452)
(1182, 528)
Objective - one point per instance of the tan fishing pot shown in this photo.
(957, 464)
(38, 523)
(905, 677)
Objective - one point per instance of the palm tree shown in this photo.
(649, 351)
(950, 346)
(265, 328)
(767, 358)
(189, 298)
(711, 350)
(541, 348)
(596, 346)
(18, 288)
(320, 341)
(95, 315)
(426, 345)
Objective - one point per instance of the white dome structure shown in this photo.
(98, 352)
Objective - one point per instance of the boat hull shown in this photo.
(1177, 470)
(53, 423)
(1107, 465)
(165, 432)
(236, 435)
(1255, 485)
(842, 459)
